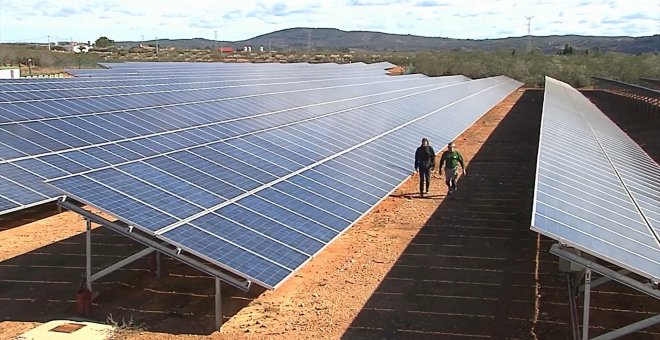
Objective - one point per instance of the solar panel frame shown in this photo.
(287, 197)
(599, 210)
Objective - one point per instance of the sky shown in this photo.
(132, 20)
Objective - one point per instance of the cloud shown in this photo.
(468, 14)
(505, 32)
(638, 16)
(281, 10)
(23, 20)
(65, 12)
(202, 23)
(427, 4)
(373, 2)
(175, 15)
(129, 13)
(233, 15)
(614, 21)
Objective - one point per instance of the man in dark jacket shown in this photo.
(424, 162)
(451, 159)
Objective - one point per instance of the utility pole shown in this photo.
(309, 40)
(156, 45)
(529, 34)
(49, 42)
(215, 42)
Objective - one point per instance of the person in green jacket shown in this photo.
(451, 159)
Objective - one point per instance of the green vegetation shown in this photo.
(43, 61)
(103, 42)
(570, 65)
(575, 68)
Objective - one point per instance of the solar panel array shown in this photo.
(596, 189)
(51, 128)
(258, 178)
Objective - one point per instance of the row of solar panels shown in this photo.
(73, 144)
(182, 69)
(231, 76)
(254, 183)
(263, 204)
(596, 189)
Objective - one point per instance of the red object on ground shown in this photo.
(83, 301)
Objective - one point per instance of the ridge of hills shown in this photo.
(331, 39)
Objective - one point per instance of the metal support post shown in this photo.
(572, 303)
(158, 272)
(218, 305)
(585, 306)
(88, 254)
(652, 321)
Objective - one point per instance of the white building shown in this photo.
(10, 73)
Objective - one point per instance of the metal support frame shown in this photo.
(162, 248)
(89, 277)
(152, 245)
(122, 263)
(572, 304)
(158, 268)
(218, 304)
(586, 304)
(608, 274)
(88, 254)
(604, 280)
(639, 325)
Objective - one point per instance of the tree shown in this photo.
(103, 42)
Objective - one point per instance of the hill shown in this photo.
(324, 39)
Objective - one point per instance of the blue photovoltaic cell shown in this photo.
(105, 155)
(280, 232)
(131, 210)
(305, 209)
(214, 152)
(64, 163)
(288, 217)
(18, 193)
(259, 142)
(83, 158)
(6, 204)
(41, 168)
(250, 240)
(317, 199)
(176, 185)
(345, 187)
(262, 204)
(597, 205)
(19, 175)
(228, 255)
(144, 192)
(333, 193)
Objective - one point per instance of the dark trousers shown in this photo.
(424, 179)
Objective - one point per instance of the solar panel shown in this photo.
(261, 201)
(596, 189)
(75, 134)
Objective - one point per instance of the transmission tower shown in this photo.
(529, 33)
(309, 40)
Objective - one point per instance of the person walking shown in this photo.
(424, 162)
(451, 159)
